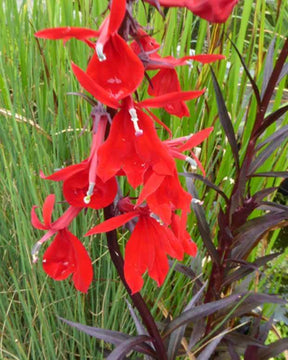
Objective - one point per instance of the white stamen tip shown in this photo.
(157, 218)
(197, 201)
(35, 252)
(134, 119)
(191, 161)
(99, 51)
(89, 193)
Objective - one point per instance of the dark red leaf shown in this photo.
(113, 337)
(273, 349)
(126, 346)
(225, 119)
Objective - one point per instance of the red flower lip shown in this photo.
(216, 11)
(66, 255)
(150, 243)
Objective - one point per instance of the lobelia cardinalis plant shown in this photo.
(125, 143)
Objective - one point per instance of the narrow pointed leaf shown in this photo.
(274, 349)
(250, 233)
(225, 119)
(283, 73)
(253, 83)
(113, 337)
(270, 119)
(248, 268)
(202, 223)
(268, 65)
(210, 348)
(201, 311)
(276, 140)
(283, 174)
(206, 182)
(178, 334)
(128, 345)
(187, 271)
(254, 300)
(281, 133)
(139, 327)
(280, 63)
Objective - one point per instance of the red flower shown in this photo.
(149, 244)
(66, 255)
(146, 48)
(212, 10)
(114, 70)
(164, 194)
(166, 81)
(81, 185)
(177, 146)
(133, 153)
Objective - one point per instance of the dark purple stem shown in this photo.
(137, 299)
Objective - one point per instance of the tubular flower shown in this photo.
(146, 48)
(66, 255)
(133, 146)
(114, 69)
(164, 194)
(166, 81)
(177, 146)
(150, 243)
(216, 11)
(81, 185)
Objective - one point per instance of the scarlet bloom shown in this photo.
(66, 255)
(166, 81)
(177, 146)
(146, 48)
(216, 11)
(114, 69)
(81, 185)
(133, 154)
(150, 243)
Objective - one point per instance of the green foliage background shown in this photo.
(40, 129)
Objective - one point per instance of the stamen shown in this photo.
(89, 193)
(157, 218)
(35, 251)
(191, 161)
(197, 201)
(135, 120)
(99, 51)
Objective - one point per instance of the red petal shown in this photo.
(66, 33)
(118, 10)
(166, 81)
(205, 58)
(112, 223)
(75, 189)
(150, 186)
(59, 258)
(120, 74)
(93, 88)
(65, 173)
(162, 100)
(35, 220)
(139, 254)
(195, 139)
(48, 209)
(212, 10)
(83, 275)
(67, 255)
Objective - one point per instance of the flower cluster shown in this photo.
(125, 143)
